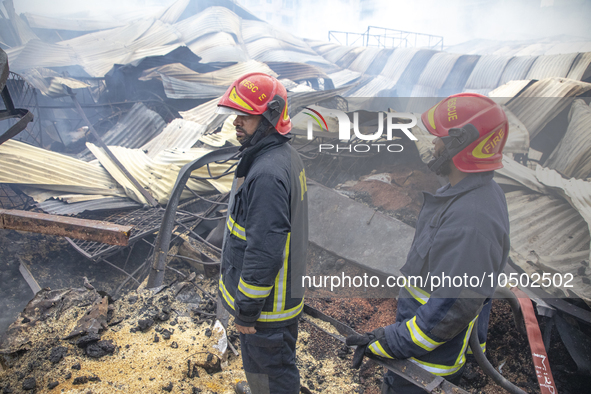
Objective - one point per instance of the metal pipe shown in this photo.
(164, 234)
(487, 366)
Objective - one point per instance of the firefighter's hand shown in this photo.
(370, 344)
(244, 329)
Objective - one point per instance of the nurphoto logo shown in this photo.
(392, 124)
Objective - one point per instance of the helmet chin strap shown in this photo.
(454, 143)
(258, 135)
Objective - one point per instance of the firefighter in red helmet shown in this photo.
(461, 231)
(266, 236)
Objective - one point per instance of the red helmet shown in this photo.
(258, 94)
(454, 112)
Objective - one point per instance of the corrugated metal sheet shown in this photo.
(487, 74)
(373, 87)
(522, 175)
(398, 62)
(551, 66)
(350, 56)
(379, 62)
(517, 68)
(180, 157)
(223, 77)
(296, 71)
(211, 20)
(547, 229)
(543, 100)
(283, 56)
(581, 67)
(219, 47)
(177, 89)
(46, 22)
(139, 126)
(413, 71)
(40, 54)
(506, 92)
(57, 207)
(572, 156)
(547, 46)
(97, 52)
(50, 83)
(458, 75)
(26, 165)
(257, 48)
(518, 139)
(344, 77)
(334, 55)
(156, 177)
(321, 47)
(202, 114)
(576, 191)
(174, 12)
(179, 133)
(434, 75)
(364, 60)
(547, 233)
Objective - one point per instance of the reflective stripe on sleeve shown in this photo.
(419, 337)
(418, 294)
(377, 349)
(235, 228)
(446, 370)
(252, 291)
(281, 315)
(225, 293)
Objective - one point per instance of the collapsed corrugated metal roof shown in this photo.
(487, 74)
(540, 102)
(572, 156)
(51, 83)
(155, 176)
(23, 164)
(177, 89)
(547, 46)
(344, 77)
(180, 133)
(434, 75)
(547, 233)
(47, 22)
(139, 126)
(58, 207)
(223, 77)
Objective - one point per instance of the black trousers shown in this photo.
(268, 357)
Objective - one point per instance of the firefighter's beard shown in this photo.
(261, 131)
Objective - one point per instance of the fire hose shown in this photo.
(522, 312)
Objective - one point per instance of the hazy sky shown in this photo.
(456, 20)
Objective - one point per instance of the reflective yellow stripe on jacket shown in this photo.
(418, 294)
(235, 228)
(446, 370)
(419, 337)
(279, 312)
(252, 291)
